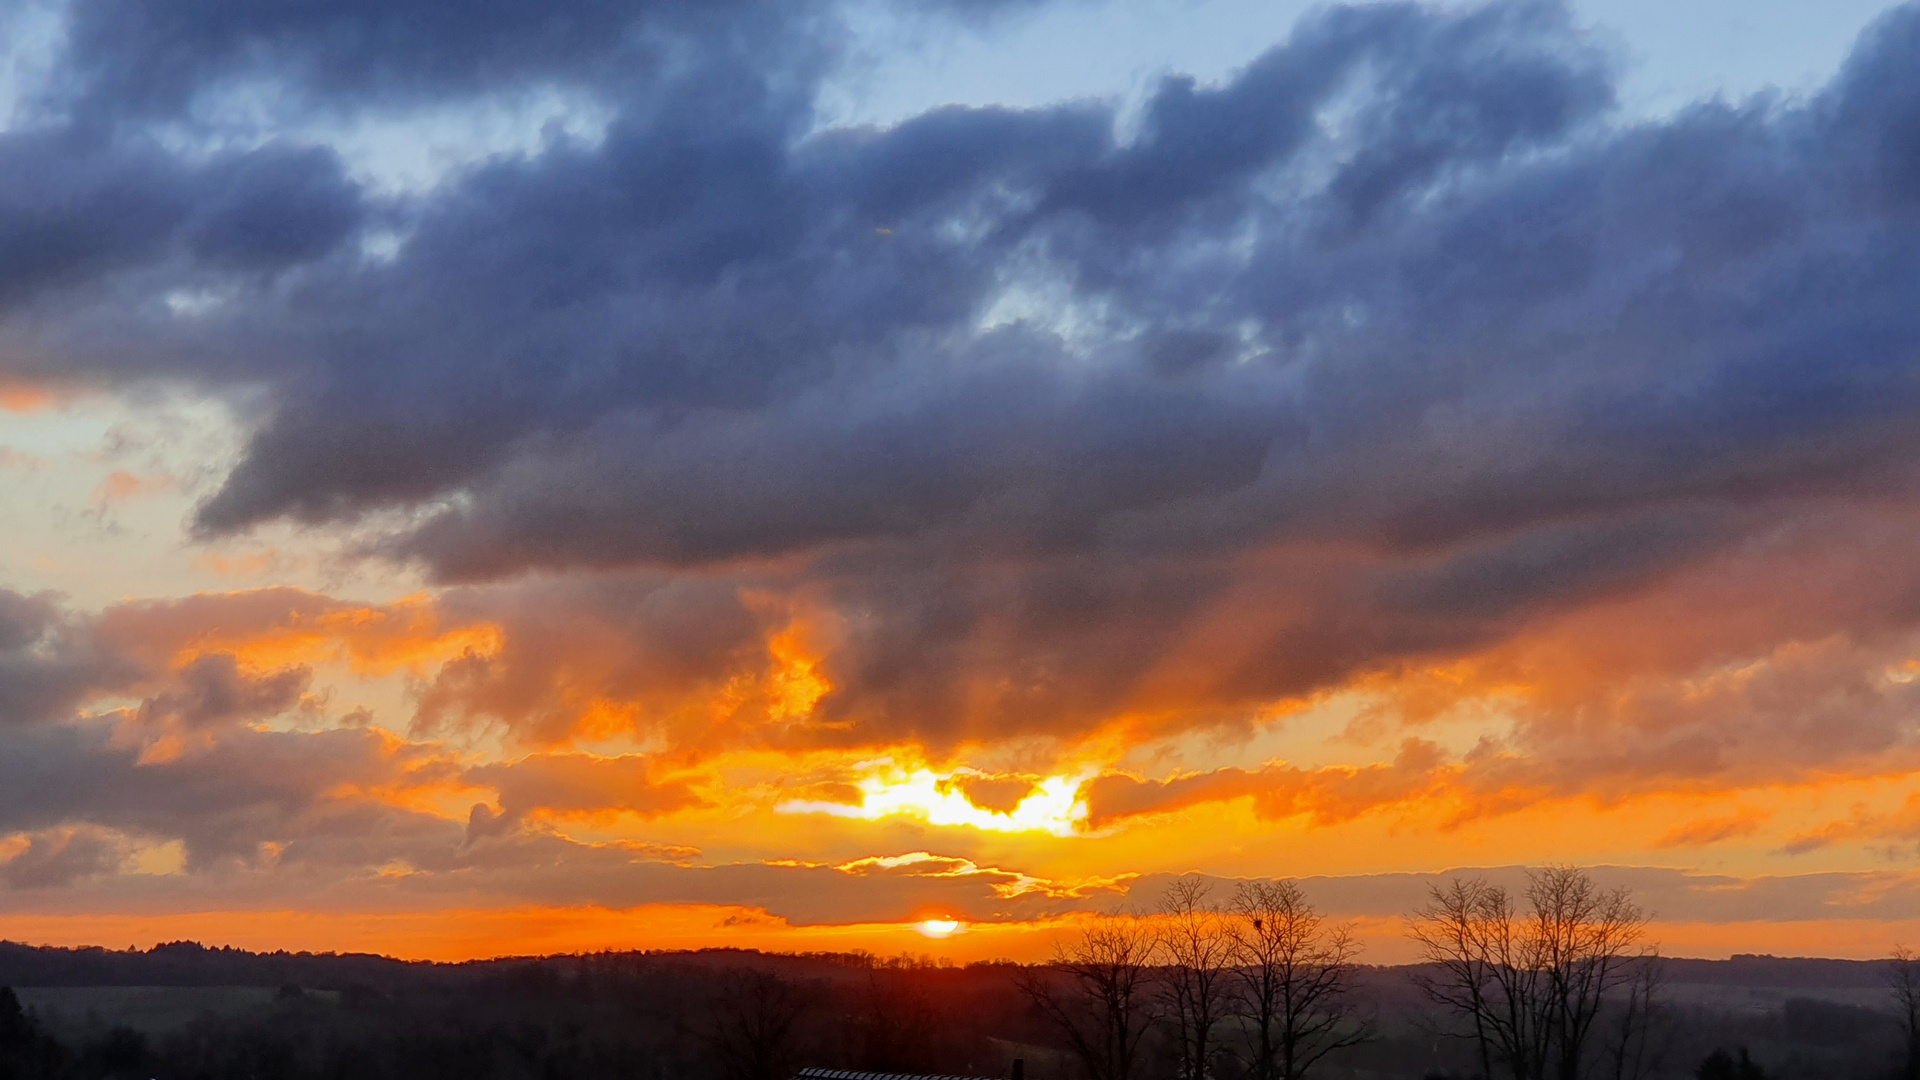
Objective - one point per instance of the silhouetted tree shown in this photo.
(122, 1052)
(1721, 1065)
(894, 1026)
(1197, 948)
(1903, 976)
(1531, 985)
(1095, 993)
(16, 1028)
(1640, 1029)
(1296, 980)
(757, 1013)
(26, 1053)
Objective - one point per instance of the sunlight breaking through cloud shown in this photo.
(1054, 806)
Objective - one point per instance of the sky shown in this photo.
(912, 476)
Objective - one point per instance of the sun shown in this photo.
(939, 928)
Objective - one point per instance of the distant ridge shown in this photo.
(188, 963)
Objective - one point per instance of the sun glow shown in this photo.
(939, 928)
(21, 398)
(1054, 805)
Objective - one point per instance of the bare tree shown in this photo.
(1296, 977)
(1641, 1031)
(1586, 938)
(1095, 992)
(755, 1020)
(1530, 985)
(894, 1025)
(1903, 977)
(1197, 946)
(1466, 933)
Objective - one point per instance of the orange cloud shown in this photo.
(279, 627)
(1600, 708)
(827, 791)
(1278, 790)
(121, 485)
(572, 783)
(794, 682)
(1901, 825)
(1701, 832)
(1693, 677)
(23, 397)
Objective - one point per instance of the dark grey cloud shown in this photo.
(79, 207)
(1467, 304)
(272, 208)
(49, 662)
(1390, 345)
(710, 293)
(56, 858)
(24, 619)
(1672, 895)
(222, 801)
(152, 56)
(212, 690)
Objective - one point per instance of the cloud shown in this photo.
(59, 857)
(283, 626)
(691, 318)
(137, 55)
(258, 814)
(24, 397)
(213, 690)
(1278, 790)
(121, 485)
(1900, 826)
(1396, 368)
(223, 796)
(1392, 345)
(696, 320)
(582, 783)
(48, 660)
(643, 653)
(192, 757)
(1711, 830)
(999, 794)
(1667, 895)
(1428, 351)
(81, 209)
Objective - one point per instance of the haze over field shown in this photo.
(499, 478)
